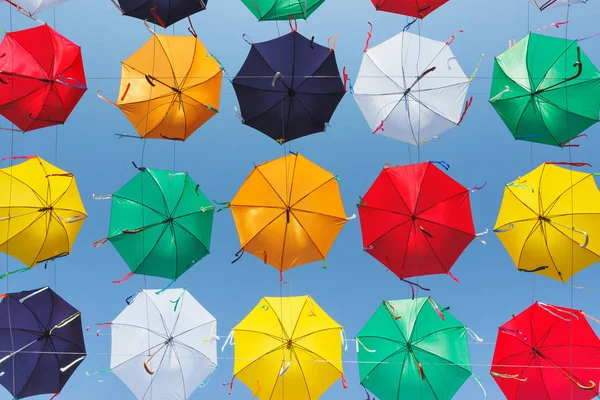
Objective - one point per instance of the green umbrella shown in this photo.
(546, 90)
(412, 349)
(160, 223)
(273, 10)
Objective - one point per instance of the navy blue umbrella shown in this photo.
(161, 12)
(41, 342)
(288, 87)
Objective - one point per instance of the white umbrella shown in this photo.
(35, 6)
(543, 4)
(411, 88)
(162, 345)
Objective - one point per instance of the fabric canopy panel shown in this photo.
(163, 345)
(411, 88)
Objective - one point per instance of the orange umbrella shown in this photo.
(288, 212)
(169, 87)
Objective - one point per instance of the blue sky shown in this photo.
(220, 154)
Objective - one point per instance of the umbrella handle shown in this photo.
(146, 367)
(591, 387)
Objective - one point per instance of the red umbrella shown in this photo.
(547, 352)
(41, 77)
(412, 8)
(416, 220)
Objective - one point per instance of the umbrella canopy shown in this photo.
(161, 12)
(41, 211)
(407, 100)
(411, 346)
(288, 347)
(547, 352)
(288, 212)
(546, 90)
(33, 7)
(160, 223)
(279, 10)
(288, 87)
(416, 220)
(169, 97)
(41, 78)
(161, 351)
(41, 342)
(543, 4)
(549, 221)
(412, 8)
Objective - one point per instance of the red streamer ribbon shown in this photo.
(129, 275)
(156, 17)
(369, 34)
(573, 164)
(467, 105)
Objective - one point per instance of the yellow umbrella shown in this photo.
(288, 212)
(288, 348)
(40, 211)
(549, 221)
(169, 87)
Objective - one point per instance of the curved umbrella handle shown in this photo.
(149, 80)
(591, 387)
(146, 367)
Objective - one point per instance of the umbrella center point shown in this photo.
(169, 220)
(169, 340)
(46, 335)
(44, 209)
(291, 92)
(407, 91)
(413, 217)
(542, 218)
(289, 344)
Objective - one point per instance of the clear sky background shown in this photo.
(220, 154)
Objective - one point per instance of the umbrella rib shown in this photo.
(151, 250)
(137, 355)
(436, 332)
(522, 115)
(37, 362)
(418, 194)
(154, 376)
(59, 198)
(37, 195)
(446, 226)
(316, 355)
(191, 329)
(389, 231)
(387, 174)
(289, 200)
(443, 200)
(283, 342)
(258, 206)
(299, 316)
(445, 359)
(522, 202)
(160, 191)
(517, 354)
(529, 235)
(271, 186)
(269, 65)
(562, 233)
(190, 233)
(379, 209)
(542, 374)
(386, 75)
(180, 370)
(167, 56)
(539, 111)
(549, 254)
(179, 313)
(266, 111)
(45, 236)
(302, 372)
(421, 103)
(314, 332)
(312, 191)
(414, 321)
(307, 235)
(23, 230)
(140, 204)
(184, 89)
(318, 213)
(255, 88)
(33, 57)
(306, 78)
(160, 314)
(551, 205)
(162, 336)
(258, 358)
(567, 111)
(174, 238)
(285, 230)
(279, 320)
(265, 227)
(553, 63)
(383, 360)
(513, 81)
